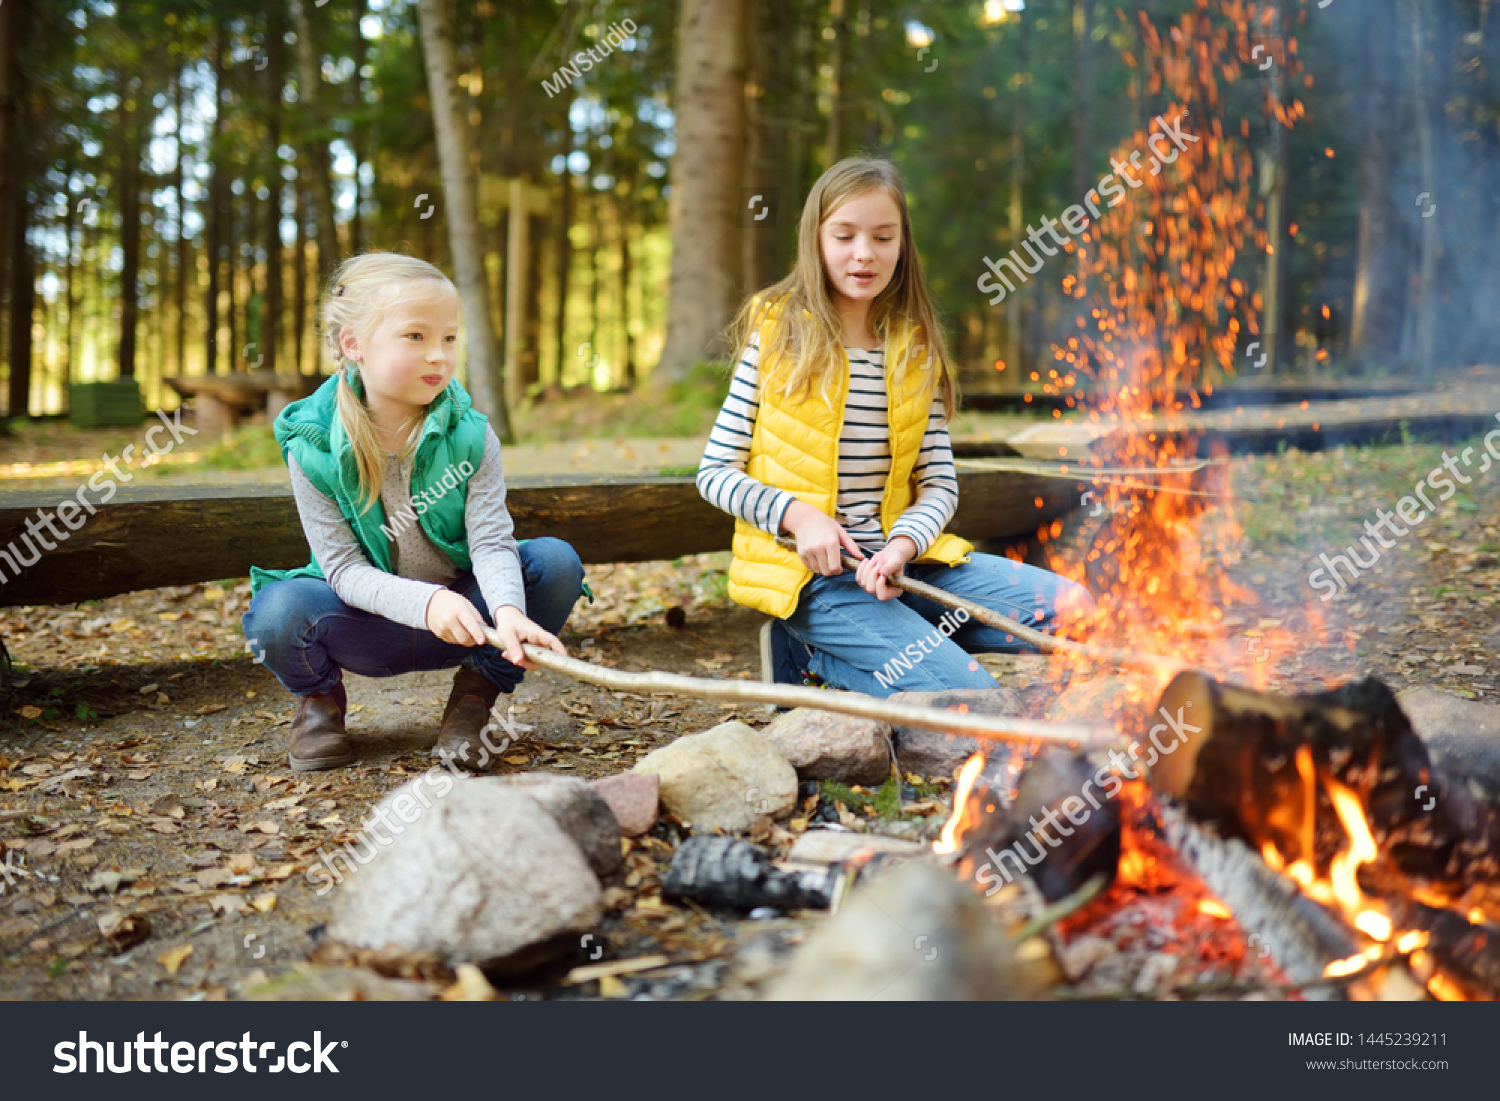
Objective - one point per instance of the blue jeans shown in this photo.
(309, 635)
(861, 643)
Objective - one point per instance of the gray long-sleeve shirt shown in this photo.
(419, 568)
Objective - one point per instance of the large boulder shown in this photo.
(479, 873)
(1462, 736)
(581, 811)
(824, 745)
(915, 933)
(932, 753)
(723, 778)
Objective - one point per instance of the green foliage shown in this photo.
(886, 799)
(248, 447)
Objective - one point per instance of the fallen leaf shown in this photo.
(122, 931)
(222, 904)
(164, 825)
(211, 878)
(611, 987)
(241, 863)
(169, 806)
(173, 958)
(264, 827)
(236, 765)
(106, 881)
(264, 903)
(211, 708)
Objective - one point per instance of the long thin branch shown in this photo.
(996, 728)
(991, 618)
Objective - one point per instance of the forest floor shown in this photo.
(144, 782)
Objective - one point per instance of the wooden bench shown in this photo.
(218, 400)
(151, 536)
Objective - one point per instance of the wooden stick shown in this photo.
(991, 618)
(996, 728)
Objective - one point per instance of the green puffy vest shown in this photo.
(453, 434)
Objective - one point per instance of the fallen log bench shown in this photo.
(219, 400)
(147, 537)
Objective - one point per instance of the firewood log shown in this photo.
(1248, 757)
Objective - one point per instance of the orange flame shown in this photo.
(963, 817)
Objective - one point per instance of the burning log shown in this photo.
(1338, 791)
(1034, 830)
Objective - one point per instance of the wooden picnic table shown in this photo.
(219, 400)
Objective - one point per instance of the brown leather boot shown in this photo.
(465, 717)
(318, 736)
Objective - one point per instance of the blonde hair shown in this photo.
(360, 292)
(812, 341)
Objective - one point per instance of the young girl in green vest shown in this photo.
(401, 495)
(835, 433)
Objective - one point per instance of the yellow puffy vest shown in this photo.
(795, 447)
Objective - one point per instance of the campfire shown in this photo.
(1312, 831)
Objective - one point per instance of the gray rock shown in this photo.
(482, 873)
(633, 797)
(915, 933)
(723, 778)
(824, 745)
(933, 754)
(1462, 736)
(579, 810)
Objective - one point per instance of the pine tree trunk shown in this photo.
(772, 140)
(275, 299)
(10, 150)
(622, 225)
(1014, 313)
(299, 283)
(184, 271)
(1378, 299)
(70, 297)
(1084, 61)
(22, 305)
(217, 190)
(837, 50)
(359, 140)
(128, 178)
(309, 98)
(564, 245)
(455, 145)
(709, 99)
(1427, 272)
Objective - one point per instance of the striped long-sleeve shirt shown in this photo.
(864, 460)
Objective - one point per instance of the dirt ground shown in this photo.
(152, 825)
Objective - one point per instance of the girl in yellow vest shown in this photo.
(401, 495)
(835, 433)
